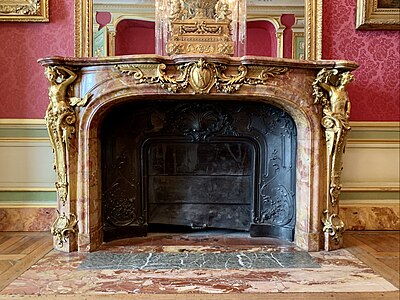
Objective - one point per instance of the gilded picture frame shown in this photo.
(24, 10)
(378, 14)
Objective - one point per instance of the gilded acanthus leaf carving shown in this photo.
(201, 76)
(63, 226)
(60, 121)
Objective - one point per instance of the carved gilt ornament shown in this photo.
(329, 90)
(201, 76)
(63, 226)
(60, 121)
(199, 26)
(333, 225)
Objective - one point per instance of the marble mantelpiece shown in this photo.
(83, 90)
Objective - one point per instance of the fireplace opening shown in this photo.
(198, 165)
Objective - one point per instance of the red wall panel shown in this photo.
(375, 93)
(135, 37)
(261, 38)
(23, 87)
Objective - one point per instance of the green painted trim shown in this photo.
(25, 198)
(23, 133)
(21, 128)
(359, 134)
(369, 196)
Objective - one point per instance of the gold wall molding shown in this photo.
(313, 24)
(24, 11)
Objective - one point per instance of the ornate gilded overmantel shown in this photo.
(82, 92)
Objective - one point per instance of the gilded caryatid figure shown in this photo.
(330, 91)
(60, 121)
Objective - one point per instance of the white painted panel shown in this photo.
(371, 165)
(26, 165)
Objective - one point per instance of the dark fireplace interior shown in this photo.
(197, 165)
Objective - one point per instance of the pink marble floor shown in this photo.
(58, 273)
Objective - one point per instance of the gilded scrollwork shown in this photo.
(201, 76)
(330, 91)
(60, 121)
(63, 226)
(333, 226)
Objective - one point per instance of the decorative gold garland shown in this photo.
(201, 76)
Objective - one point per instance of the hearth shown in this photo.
(201, 164)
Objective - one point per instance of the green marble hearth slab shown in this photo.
(206, 260)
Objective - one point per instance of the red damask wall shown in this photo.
(375, 94)
(23, 87)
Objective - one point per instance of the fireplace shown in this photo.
(201, 164)
(246, 100)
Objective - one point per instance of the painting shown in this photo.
(378, 14)
(24, 11)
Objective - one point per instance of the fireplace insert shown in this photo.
(199, 164)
